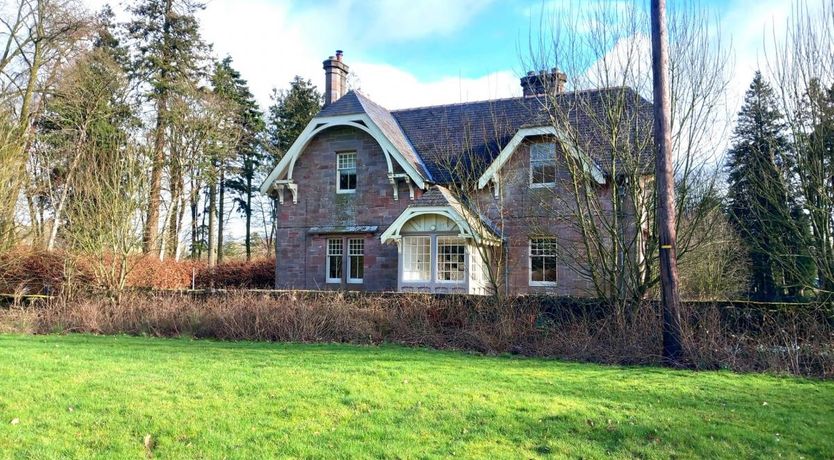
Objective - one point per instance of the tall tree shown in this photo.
(802, 65)
(761, 193)
(169, 55)
(816, 172)
(290, 112)
(229, 84)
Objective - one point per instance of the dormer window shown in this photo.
(543, 164)
(346, 172)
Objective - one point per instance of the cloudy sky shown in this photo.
(421, 52)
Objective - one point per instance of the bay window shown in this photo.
(451, 259)
(417, 258)
(428, 259)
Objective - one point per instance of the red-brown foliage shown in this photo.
(26, 271)
(152, 273)
(259, 273)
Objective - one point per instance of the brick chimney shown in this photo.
(335, 83)
(543, 82)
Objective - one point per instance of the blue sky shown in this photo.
(418, 52)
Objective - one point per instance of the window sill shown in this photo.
(543, 283)
(355, 281)
(345, 192)
(543, 185)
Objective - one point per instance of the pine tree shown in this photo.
(248, 154)
(290, 112)
(169, 57)
(762, 191)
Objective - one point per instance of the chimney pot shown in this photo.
(543, 82)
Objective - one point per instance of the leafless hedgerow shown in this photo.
(797, 339)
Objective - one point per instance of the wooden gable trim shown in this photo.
(284, 170)
(492, 172)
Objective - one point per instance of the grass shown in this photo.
(84, 396)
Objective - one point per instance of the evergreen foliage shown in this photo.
(763, 197)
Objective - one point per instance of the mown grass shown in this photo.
(99, 397)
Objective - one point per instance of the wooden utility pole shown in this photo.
(664, 178)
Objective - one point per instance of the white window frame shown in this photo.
(351, 253)
(329, 254)
(530, 261)
(407, 241)
(539, 145)
(457, 241)
(339, 168)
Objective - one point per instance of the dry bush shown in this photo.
(790, 338)
(27, 271)
(741, 337)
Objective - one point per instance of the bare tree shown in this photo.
(613, 224)
(801, 63)
(104, 219)
(36, 38)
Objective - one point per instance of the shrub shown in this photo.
(152, 273)
(25, 271)
(259, 273)
(739, 337)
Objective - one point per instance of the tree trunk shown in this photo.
(62, 201)
(672, 340)
(195, 198)
(150, 240)
(248, 217)
(212, 213)
(173, 237)
(220, 216)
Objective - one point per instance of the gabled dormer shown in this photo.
(351, 109)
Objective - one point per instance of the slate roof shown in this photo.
(432, 198)
(354, 103)
(447, 140)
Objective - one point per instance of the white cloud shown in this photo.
(395, 88)
(272, 41)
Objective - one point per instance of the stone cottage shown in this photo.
(458, 198)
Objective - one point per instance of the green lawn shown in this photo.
(85, 396)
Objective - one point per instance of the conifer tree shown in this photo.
(168, 57)
(290, 112)
(229, 84)
(762, 196)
